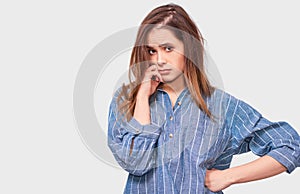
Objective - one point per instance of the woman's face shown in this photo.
(167, 52)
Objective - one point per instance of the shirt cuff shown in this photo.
(284, 156)
(151, 130)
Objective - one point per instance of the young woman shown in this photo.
(176, 133)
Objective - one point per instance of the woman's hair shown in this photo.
(175, 19)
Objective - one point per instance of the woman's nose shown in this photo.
(161, 58)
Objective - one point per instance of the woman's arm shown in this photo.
(147, 88)
(258, 169)
(142, 110)
(277, 144)
(133, 143)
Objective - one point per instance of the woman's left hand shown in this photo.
(217, 180)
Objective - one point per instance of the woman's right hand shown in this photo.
(151, 80)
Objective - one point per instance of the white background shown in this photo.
(255, 45)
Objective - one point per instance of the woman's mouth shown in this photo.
(164, 71)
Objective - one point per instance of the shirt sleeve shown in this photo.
(133, 145)
(252, 132)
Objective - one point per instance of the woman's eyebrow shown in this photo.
(161, 45)
(149, 47)
(166, 44)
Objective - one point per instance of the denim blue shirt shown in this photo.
(173, 152)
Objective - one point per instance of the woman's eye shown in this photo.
(168, 48)
(151, 52)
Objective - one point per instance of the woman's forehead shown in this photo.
(160, 36)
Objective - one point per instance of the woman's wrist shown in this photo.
(142, 98)
(142, 93)
(232, 176)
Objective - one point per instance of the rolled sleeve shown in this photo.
(151, 130)
(252, 132)
(285, 157)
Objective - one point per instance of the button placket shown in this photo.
(170, 137)
(171, 126)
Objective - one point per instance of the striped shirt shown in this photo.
(172, 153)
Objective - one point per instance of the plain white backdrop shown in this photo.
(254, 44)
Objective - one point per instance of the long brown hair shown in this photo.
(176, 19)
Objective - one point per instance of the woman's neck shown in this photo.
(175, 86)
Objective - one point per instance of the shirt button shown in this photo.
(179, 103)
(171, 118)
(138, 131)
(170, 135)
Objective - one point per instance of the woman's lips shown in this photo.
(164, 71)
